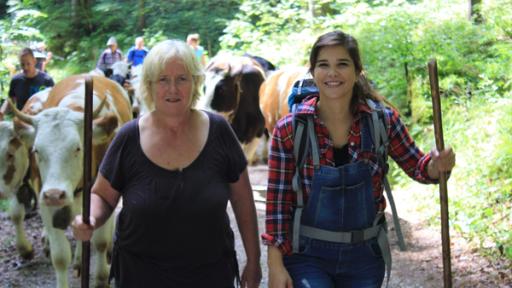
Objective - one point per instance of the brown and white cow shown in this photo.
(14, 164)
(274, 94)
(232, 89)
(57, 145)
(13, 168)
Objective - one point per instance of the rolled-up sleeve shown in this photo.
(280, 196)
(404, 151)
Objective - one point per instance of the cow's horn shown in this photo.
(98, 109)
(22, 116)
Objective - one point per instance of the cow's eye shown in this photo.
(10, 156)
(77, 149)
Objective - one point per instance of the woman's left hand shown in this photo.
(441, 161)
(251, 276)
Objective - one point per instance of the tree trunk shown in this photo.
(141, 23)
(408, 79)
(74, 10)
(311, 10)
(474, 13)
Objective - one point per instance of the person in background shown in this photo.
(341, 237)
(109, 56)
(193, 41)
(137, 53)
(43, 57)
(175, 169)
(28, 82)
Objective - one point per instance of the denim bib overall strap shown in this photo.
(341, 206)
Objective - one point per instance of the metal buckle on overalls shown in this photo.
(357, 236)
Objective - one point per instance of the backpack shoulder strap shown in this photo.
(379, 133)
(304, 141)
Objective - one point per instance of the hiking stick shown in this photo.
(86, 209)
(443, 190)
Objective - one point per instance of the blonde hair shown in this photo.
(155, 63)
(194, 36)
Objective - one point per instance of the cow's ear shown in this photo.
(25, 132)
(103, 128)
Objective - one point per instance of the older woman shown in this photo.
(175, 168)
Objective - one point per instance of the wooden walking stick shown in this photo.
(86, 209)
(443, 190)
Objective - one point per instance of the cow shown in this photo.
(15, 186)
(274, 94)
(232, 85)
(267, 66)
(14, 165)
(57, 146)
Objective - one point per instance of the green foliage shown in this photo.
(208, 18)
(497, 14)
(270, 31)
(483, 208)
(4, 205)
(397, 38)
(77, 34)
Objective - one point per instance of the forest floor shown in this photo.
(420, 266)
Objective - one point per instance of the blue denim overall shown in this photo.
(340, 231)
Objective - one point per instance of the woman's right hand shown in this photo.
(278, 277)
(82, 231)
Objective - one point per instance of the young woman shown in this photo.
(340, 237)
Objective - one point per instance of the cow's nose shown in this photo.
(54, 197)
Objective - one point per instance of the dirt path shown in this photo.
(419, 266)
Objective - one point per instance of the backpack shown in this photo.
(304, 141)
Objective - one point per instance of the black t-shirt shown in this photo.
(341, 156)
(173, 224)
(22, 87)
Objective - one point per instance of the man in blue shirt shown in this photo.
(137, 53)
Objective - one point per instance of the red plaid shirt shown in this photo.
(281, 199)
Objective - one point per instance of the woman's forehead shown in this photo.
(174, 65)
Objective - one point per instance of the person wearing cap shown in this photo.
(193, 41)
(110, 56)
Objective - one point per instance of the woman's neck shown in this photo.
(175, 124)
(334, 110)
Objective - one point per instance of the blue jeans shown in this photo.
(326, 264)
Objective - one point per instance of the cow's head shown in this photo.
(13, 159)
(232, 87)
(58, 148)
(222, 85)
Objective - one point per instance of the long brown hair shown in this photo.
(362, 89)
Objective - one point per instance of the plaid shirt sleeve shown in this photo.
(405, 152)
(280, 195)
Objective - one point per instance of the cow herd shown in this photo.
(42, 147)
